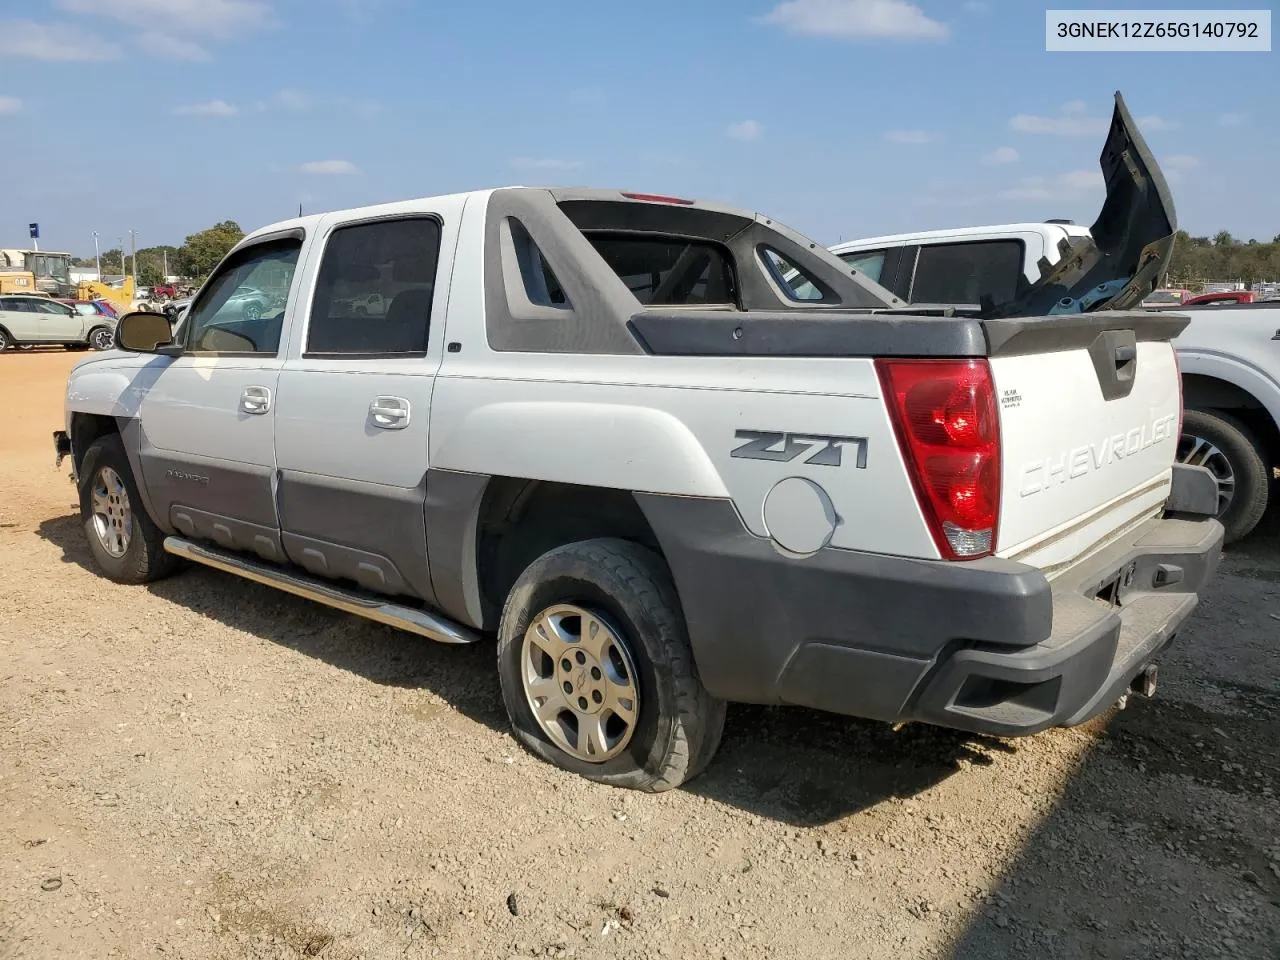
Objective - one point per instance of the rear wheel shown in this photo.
(1229, 451)
(126, 545)
(6, 341)
(597, 672)
(102, 338)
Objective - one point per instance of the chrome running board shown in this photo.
(423, 623)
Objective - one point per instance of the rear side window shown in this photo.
(868, 263)
(540, 283)
(669, 271)
(375, 288)
(966, 272)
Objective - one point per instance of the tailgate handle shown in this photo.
(1126, 354)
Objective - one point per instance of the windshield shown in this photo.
(49, 265)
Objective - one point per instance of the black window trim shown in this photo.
(276, 236)
(306, 354)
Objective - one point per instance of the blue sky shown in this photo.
(842, 118)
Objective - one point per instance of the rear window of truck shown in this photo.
(668, 271)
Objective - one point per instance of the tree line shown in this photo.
(195, 259)
(1223, 257)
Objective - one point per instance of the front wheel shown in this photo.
(6, 341)
(102, 338)
(1226, 447)
(597, 672)
(126, 545)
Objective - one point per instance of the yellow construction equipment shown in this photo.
(120, 297)
(35, 271)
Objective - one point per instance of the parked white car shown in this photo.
(27, 321)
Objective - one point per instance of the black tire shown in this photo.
(101, 338)
(6, 341)
(1244, 455)
(679, 724)
(145, 559)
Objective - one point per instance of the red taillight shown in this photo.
(656, 198)
(944, 414)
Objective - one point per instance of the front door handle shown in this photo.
(389, 413)
(1277, 336)
(255, 400)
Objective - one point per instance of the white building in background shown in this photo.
(81, 274)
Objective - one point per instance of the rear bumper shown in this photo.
(988, 646)
(1097, 646)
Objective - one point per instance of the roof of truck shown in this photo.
(958, 233)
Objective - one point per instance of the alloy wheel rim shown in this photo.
(1199, 452)
(580, 682)
(112, 514)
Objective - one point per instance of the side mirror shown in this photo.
(143, 332)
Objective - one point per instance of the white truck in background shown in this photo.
(1229, 354)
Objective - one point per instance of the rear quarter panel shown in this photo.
(668, 425)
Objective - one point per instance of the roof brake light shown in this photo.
(656, 198)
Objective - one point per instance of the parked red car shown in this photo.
(89, 306)
(1225, 296)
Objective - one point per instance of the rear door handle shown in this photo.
(1277, 336)
(389, 413)
(255, 400)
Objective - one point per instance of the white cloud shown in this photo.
(746, 130)
(1177, 166)
(293, 100)
(546, 163)
(210, 108)
(10, 105)
(329, 167)
(1073, 120)
(912, 136)
(856, 19)
(1081, 180)
(1001, 155)
(54, 42)
(361, 108)
(172, 48)
(203, 18)
(1233, 119)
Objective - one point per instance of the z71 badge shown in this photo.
(779, 446)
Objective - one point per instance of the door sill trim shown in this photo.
(421, 622)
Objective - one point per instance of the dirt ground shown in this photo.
(208, 768)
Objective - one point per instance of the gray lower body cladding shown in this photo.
(988, 646)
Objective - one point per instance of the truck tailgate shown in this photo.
(1088, 436)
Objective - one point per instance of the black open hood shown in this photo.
(1132, 237)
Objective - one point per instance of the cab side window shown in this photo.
(242, 308)
(374, 290)
(966, 272)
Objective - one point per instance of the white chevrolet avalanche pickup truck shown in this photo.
(603, 428)
(1229, 354)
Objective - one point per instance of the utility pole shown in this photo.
(121, 241)
(166, 265)
(97, 257)
(133, 240)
